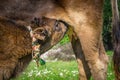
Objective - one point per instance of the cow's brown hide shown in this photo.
(84, 18)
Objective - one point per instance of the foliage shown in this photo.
(65, 40)
(107, 29)
(107, 25)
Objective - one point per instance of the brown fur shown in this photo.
(116, 38)
(15, 44)
(85, 20)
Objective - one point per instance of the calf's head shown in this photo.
(48, 32)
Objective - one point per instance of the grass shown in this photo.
(52, 71)
(110, 73)
(57, 70)
(64, 40)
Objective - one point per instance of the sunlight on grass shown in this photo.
(52, 71)
(58, 70)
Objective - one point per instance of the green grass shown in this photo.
(110, 73)
(64, 40)
(53, 71)
(58, 70)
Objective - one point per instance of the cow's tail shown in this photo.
(116, 38)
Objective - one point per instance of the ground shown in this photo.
(57, 70)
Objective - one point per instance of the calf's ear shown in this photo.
(59, 26)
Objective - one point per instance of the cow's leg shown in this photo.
(11, 67)
(7, 67)
(84, 71)
(1, 75)
(89, 38)
(88, 27)
(103, 56)
(21, 65)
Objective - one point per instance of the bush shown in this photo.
(107, 29)
(65, 40)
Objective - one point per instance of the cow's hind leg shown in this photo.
(89, 40)
(103, 56)
(84, 71)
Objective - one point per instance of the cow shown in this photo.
(83, 19)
